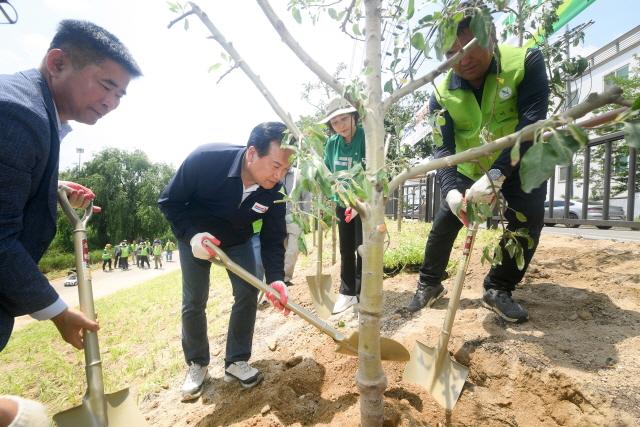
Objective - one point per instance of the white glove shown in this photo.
(482, 191)
(202, 250)
(30, 413)
(457, 205)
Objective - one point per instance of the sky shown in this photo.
(177, 104)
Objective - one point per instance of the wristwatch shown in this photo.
(496, 176)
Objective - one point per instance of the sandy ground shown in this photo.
(575, 363)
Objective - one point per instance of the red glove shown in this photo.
(281, 288)
(79, 196)
(202, 246)
(349, 214)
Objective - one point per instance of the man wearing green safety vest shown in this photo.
(124, 256)
(169, 247)
(492, 91)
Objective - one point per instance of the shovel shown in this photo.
(97, 409)
(389, 349)
(433, 368)
(320, 284)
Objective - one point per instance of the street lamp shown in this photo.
(79, 150)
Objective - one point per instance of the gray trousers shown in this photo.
(195, 293)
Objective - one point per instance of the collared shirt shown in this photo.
(533, 102)
(206, 195)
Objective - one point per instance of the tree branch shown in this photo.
(295, 47)
(180, 18)
(228, 47)
(593, 101)
(427, 78)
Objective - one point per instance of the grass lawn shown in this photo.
(139, 343)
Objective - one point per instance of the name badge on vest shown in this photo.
(257, 207)
(505, 93)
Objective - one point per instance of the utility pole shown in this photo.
(79, 150)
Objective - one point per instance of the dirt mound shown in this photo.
(575, 363)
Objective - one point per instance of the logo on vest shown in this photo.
(505, 93)
(257, 207)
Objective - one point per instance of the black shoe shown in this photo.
(502, 303)
(426, 296)
(289, 283)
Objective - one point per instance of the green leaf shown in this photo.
(578, 134)
(388, 86)
(332, 13)
(515, 153)
(520, 259)
(356, 30)
(214, 67)
(296, 15)
(538, 164)
(410, 9)
(636, 104)
(632, 134)
(440, 120)
(417, 41)
(520, 216)
(559, 142)
(481, 26)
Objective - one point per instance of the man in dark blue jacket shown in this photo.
(82, 77)
(220, 190)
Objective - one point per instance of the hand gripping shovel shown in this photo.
(433, 368)
(320, 284)
(97, 409)
(389, 349)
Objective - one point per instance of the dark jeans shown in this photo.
(195, 293)
(257, 254)
(350, 261)
(106, 262)
(446, 226)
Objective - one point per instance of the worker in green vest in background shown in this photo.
(107, 254)
(144, 254)
(157, 253)
(169, 247)
(492, 91)
(124, 256)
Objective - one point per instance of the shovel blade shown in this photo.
(389, 349)
(323, 300)
(443, 377)
(121, 412)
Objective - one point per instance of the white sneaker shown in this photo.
(344, 302)
(194, 381)
(244, 373)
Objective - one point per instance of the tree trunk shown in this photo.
(370, 377)
(400, 203)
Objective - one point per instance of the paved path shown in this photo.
(106, 283)
(618, 234)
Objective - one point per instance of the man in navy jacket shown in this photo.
(220, 190)
(82, 77)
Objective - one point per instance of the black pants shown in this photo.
(446, 226)
(106, 262)
(350, 260)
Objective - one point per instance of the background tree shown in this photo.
(127, 186)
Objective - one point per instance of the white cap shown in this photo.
(336, 107)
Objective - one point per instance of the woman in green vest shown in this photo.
(344, 149)
(490, 93)
(106, 257)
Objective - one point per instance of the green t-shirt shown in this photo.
(340, 155)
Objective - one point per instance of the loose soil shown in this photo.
(576, 362)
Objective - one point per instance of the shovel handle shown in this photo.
(255, 282)
(93, 364)
(454, 300)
